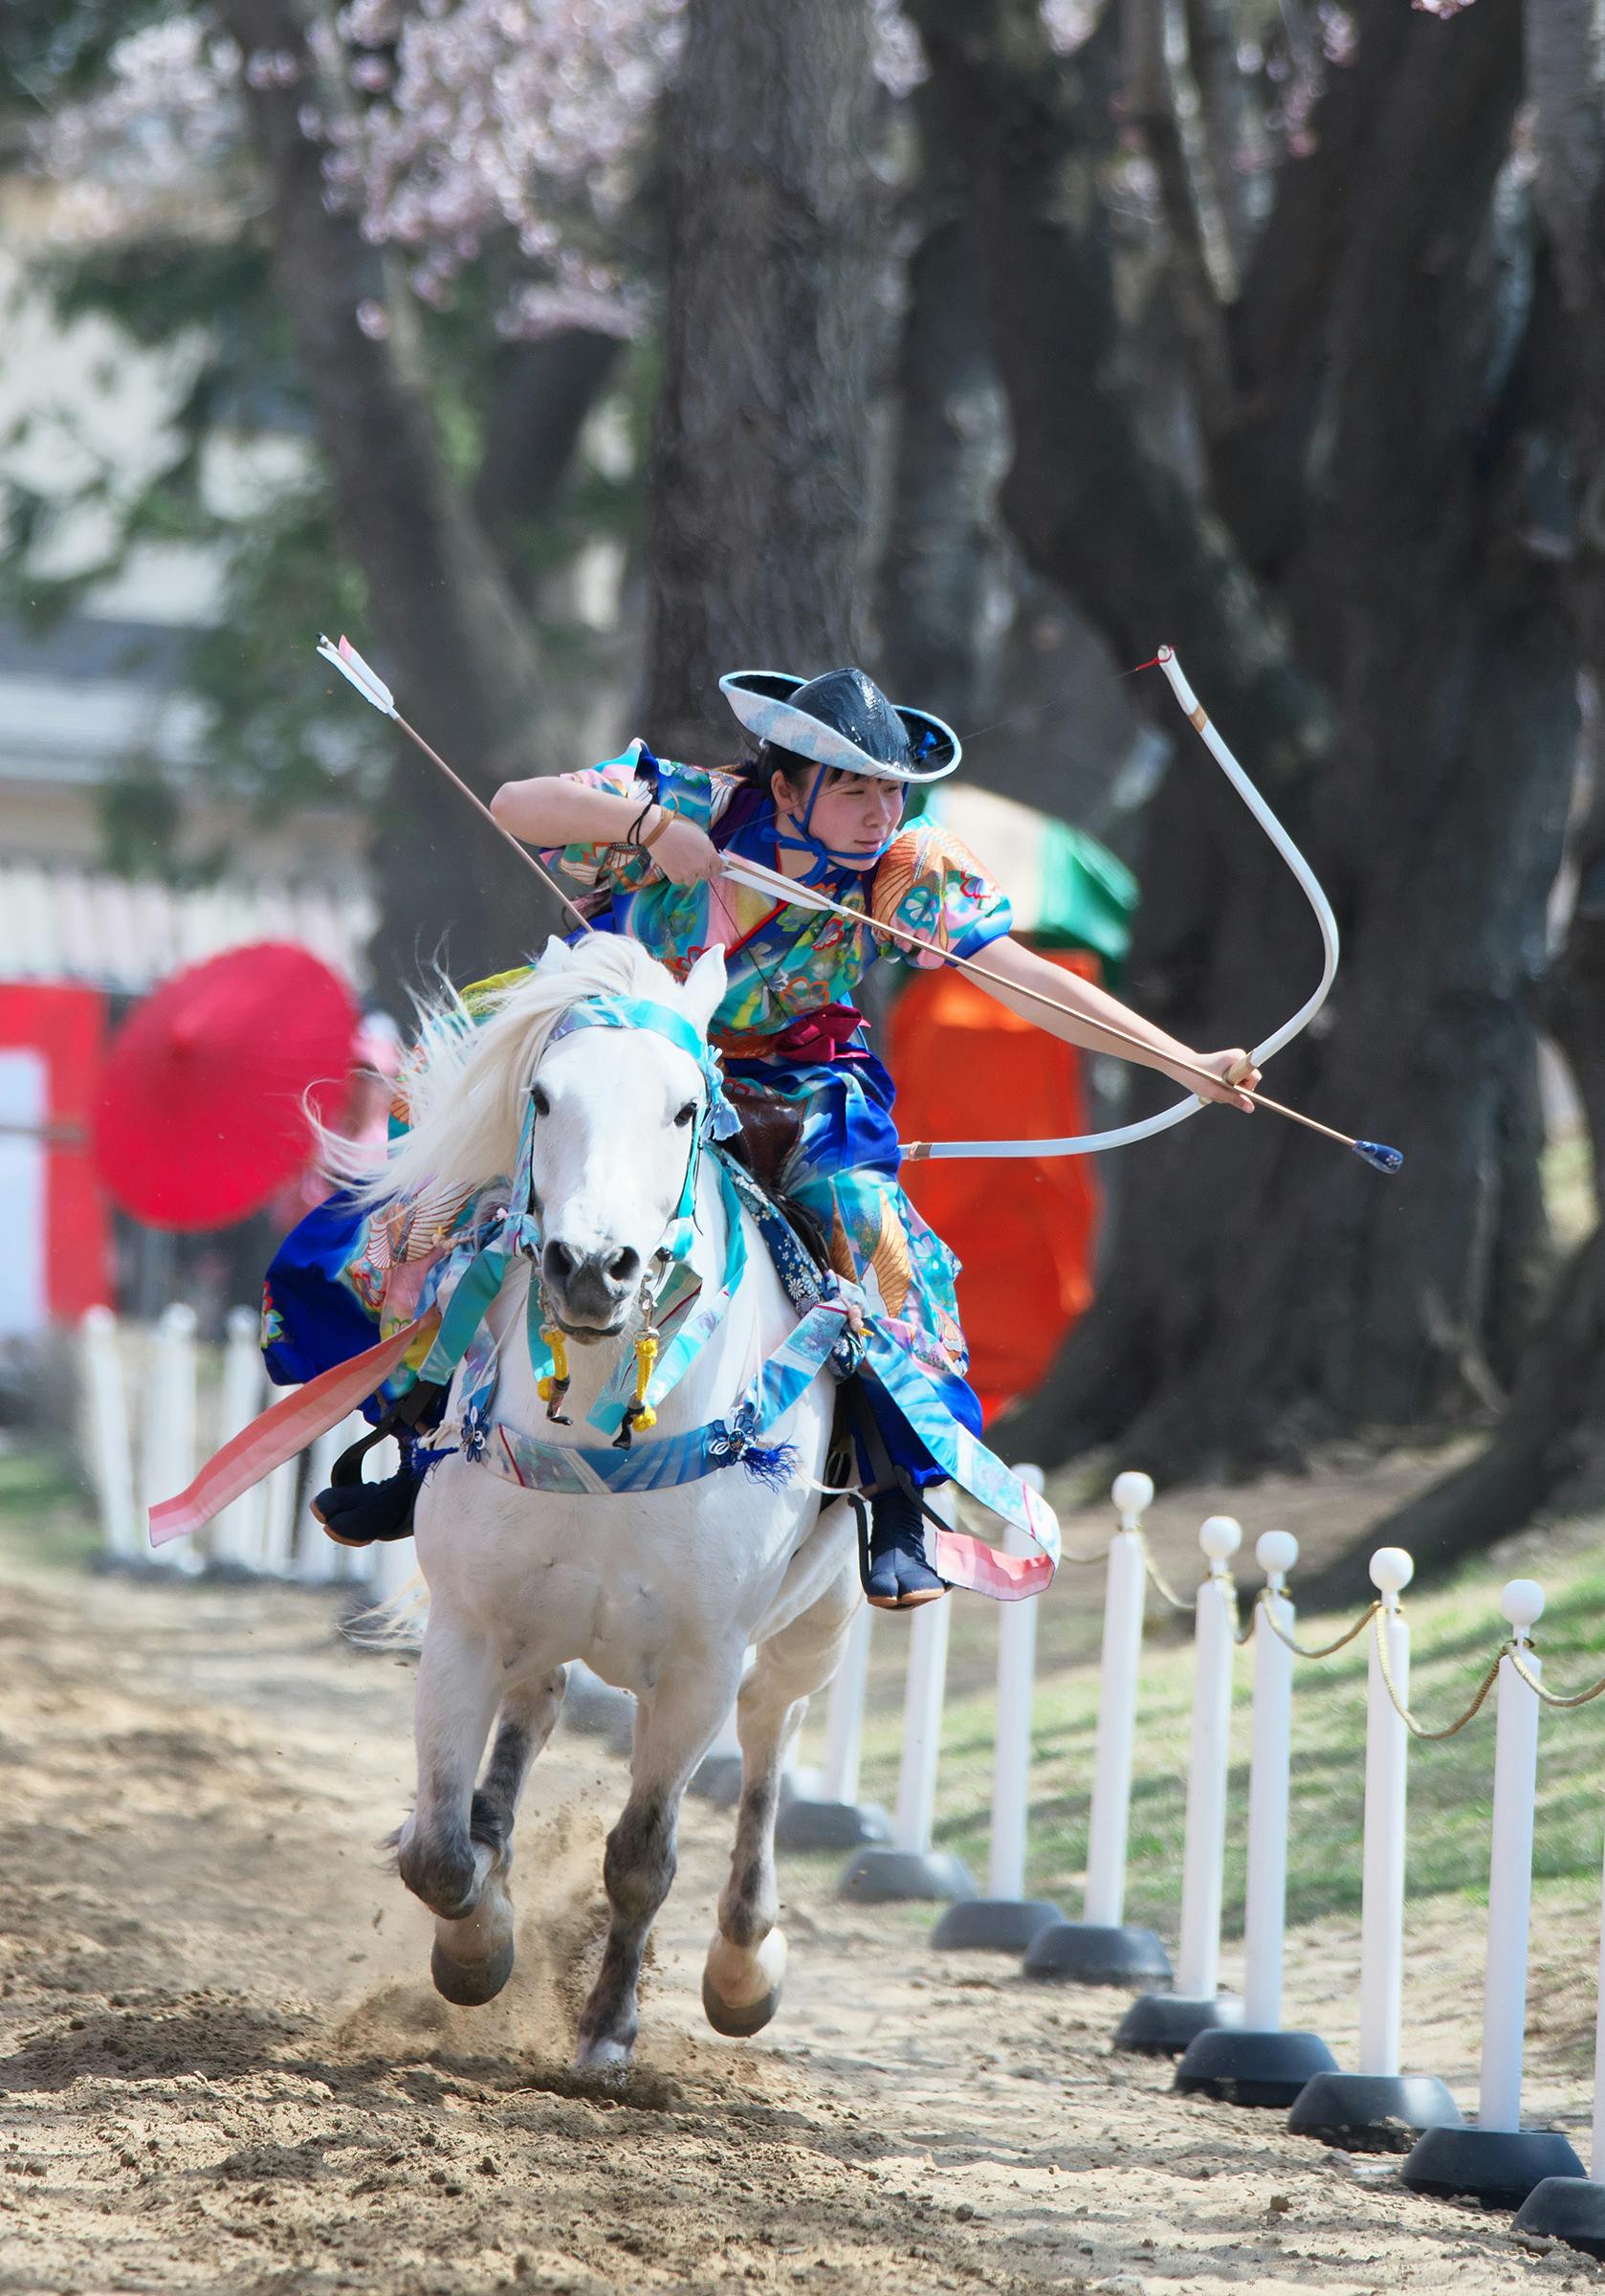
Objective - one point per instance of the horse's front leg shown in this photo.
(746, 1962)
(674, 1726)
(472, 1955)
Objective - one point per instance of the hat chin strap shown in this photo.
(827, 859)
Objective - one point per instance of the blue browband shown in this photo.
(717, 1119)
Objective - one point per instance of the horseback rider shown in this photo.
(822, 800)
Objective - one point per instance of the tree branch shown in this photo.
(445, 617)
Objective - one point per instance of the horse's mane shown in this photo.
(465, 1080)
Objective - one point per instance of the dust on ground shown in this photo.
(223, 2070)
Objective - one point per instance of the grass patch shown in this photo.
(45, 1513)
(1455, 1631)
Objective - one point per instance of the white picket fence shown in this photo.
(147, 1385)
(149, 1420)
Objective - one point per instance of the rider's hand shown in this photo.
(1230, 1068)
(685, 853)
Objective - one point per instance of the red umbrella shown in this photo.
(200, 1117)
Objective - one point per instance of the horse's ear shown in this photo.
(703, 986)
(555, 957)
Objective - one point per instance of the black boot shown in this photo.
(891, 1561)
(355, 1515)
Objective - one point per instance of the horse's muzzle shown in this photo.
(589, 1290)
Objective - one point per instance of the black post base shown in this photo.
(837, 1825)
(1570, 2208)
(1252, 2069)
(1373, 2113)
(997, 1924)
(1499, 2167)
(886, 1877)
(1162, 2024)
(1087, 1953)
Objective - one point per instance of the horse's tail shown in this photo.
(397, 1623)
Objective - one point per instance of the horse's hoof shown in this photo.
(741, 1990)
(471, 1984)
(604, 2060)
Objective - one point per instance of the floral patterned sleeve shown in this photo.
(688, 790)
(931, 883)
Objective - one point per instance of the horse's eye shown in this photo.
(541, 1104)
(686, 1114)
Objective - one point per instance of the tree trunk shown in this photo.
(1550, 1445)
(445, 631)
(952, 446)
(1380, 665)
(761, 446)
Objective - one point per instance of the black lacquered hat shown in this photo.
(841, 719)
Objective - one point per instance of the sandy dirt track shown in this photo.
(221, 2067)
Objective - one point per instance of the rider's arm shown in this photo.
(556, 809)
(1082, 1006)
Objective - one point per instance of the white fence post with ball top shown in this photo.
(1499, 2162)
(1101, 1948)
(1381, 2109)
(1260, 2063)
(1006, 1920)
(1161, 2024)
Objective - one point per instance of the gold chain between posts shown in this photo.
(1157, 1578)
(1511, 1651)
(1262, 1602)
(1418, 1730)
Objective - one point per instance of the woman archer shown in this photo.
(822, 803)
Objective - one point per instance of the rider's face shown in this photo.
(853, 815)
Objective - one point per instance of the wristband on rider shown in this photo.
(648, 842)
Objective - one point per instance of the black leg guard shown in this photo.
(892, 1558)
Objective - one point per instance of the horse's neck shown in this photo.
(754, 1323)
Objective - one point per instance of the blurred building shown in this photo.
(82, 699)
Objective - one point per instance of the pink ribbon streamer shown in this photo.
(279, 1434)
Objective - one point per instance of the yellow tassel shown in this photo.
(557, 1377)
(646, 1355)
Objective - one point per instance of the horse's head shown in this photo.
(618, 1115)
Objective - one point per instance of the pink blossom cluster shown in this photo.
(501, 114)
(166, 117)
(446, 125)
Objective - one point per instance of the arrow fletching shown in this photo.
(351, 665)
(779, 887)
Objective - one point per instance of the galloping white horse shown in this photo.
(659, 1591)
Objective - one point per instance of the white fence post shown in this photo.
(1572, 2208)
(168, 1460)
(1161, 2024)
(236, 1534)
(843, 1712)
(834, 1818)
(1260, 2063)
(1006, 1920)
(909, 1867)
(1100, 1948)
(1378, 2108)
(1499, 2162)
(106, 1414)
